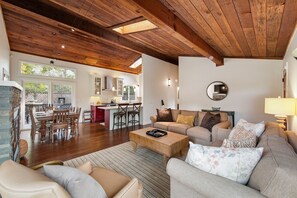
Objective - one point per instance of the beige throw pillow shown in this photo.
(241, 138)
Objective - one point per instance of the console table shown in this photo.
(229, 113)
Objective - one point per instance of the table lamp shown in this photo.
(281, 108)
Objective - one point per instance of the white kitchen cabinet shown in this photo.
(120, 86)
(95, 85)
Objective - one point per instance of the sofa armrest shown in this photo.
(153, 119)
(207, 184)
(220, 134)
(132, 190)
(215, 129)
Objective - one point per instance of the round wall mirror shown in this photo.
(217, 90)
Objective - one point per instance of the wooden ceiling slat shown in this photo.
(218, 14)
(89, 46)
(275, 10)
(189, 11)
(206, 16)
(230, 13)
(104, 12)
(39, 9)
(258, 8)
(288, 26)
(161, 16)
(158, 42)
(245, 16)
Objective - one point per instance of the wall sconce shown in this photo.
(169, 82)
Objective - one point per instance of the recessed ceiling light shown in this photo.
(135, 27)
(136, 64)
(63, 46)
(72, 29)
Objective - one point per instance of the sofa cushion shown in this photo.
(236, 164)
(19, 181)
(76, 182)
(191, 113)
(276, 172)
(188, 120)
(175, 113)
(162, 125)
(178, 128)
(209, 120)
(164, 115)
(224, 116)
(199, 132)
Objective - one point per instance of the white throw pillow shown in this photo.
(236, 164)
(257, 129)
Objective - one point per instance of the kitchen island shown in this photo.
(108, 115)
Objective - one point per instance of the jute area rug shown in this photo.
(146, 165)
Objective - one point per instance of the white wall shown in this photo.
(154, 82)
(249, 82)
(4, 47)
(82, 85)
(292, 77)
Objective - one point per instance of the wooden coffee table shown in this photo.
(168, 145)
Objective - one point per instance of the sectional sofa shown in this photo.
(196, 133)
(275, 175)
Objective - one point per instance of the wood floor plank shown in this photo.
(92, 137)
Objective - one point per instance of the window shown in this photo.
(47, 70)
(129, 93)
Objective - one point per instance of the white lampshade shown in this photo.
(280, 106)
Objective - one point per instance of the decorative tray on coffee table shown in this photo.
(156, 133)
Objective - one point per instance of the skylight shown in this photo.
(137, 63)
(135, 27)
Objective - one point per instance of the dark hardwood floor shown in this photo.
(92, 137)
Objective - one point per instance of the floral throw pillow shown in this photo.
(236, 164)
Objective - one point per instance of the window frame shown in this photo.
(45, 77)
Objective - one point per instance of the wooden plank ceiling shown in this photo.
(212, 28)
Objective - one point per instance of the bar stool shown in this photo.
(133, 113)
(122, 112)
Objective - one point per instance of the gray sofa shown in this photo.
(197, 134)
(274, 176)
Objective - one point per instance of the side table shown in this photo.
(229, 113)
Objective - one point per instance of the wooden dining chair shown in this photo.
(47, 107)
(76, 121)
(60, 123)
(34, 125)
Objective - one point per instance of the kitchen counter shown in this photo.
(108, 115)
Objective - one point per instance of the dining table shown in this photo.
(44, 117)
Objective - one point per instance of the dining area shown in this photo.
(53, 124)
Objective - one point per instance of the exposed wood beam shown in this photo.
(61, 16)
(161, 16)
